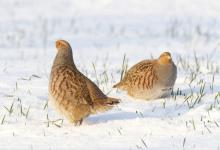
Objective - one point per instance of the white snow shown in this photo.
(101, 32)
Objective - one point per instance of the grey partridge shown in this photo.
(150, 79)
(73, 94)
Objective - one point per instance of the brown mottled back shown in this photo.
(141, 75)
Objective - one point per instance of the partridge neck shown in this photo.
(64, 57)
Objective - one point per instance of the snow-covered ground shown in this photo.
(102, 33)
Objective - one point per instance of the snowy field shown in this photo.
(103, 33)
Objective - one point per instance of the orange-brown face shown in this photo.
(165, 58)
(60, 44)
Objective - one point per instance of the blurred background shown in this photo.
(182, 25)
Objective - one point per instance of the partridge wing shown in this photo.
(141, 75)
(70, 85)
(94, 92)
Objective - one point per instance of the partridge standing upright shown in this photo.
(150, 79)
(73, 94)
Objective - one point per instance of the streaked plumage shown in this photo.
(73, 94)
(150, 79)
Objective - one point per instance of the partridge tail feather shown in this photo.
(102, 105)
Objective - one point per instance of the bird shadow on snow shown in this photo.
(139, 110)
(109, 117)
(160, 108)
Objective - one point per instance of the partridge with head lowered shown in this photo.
(73, 94)
(150, 79)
